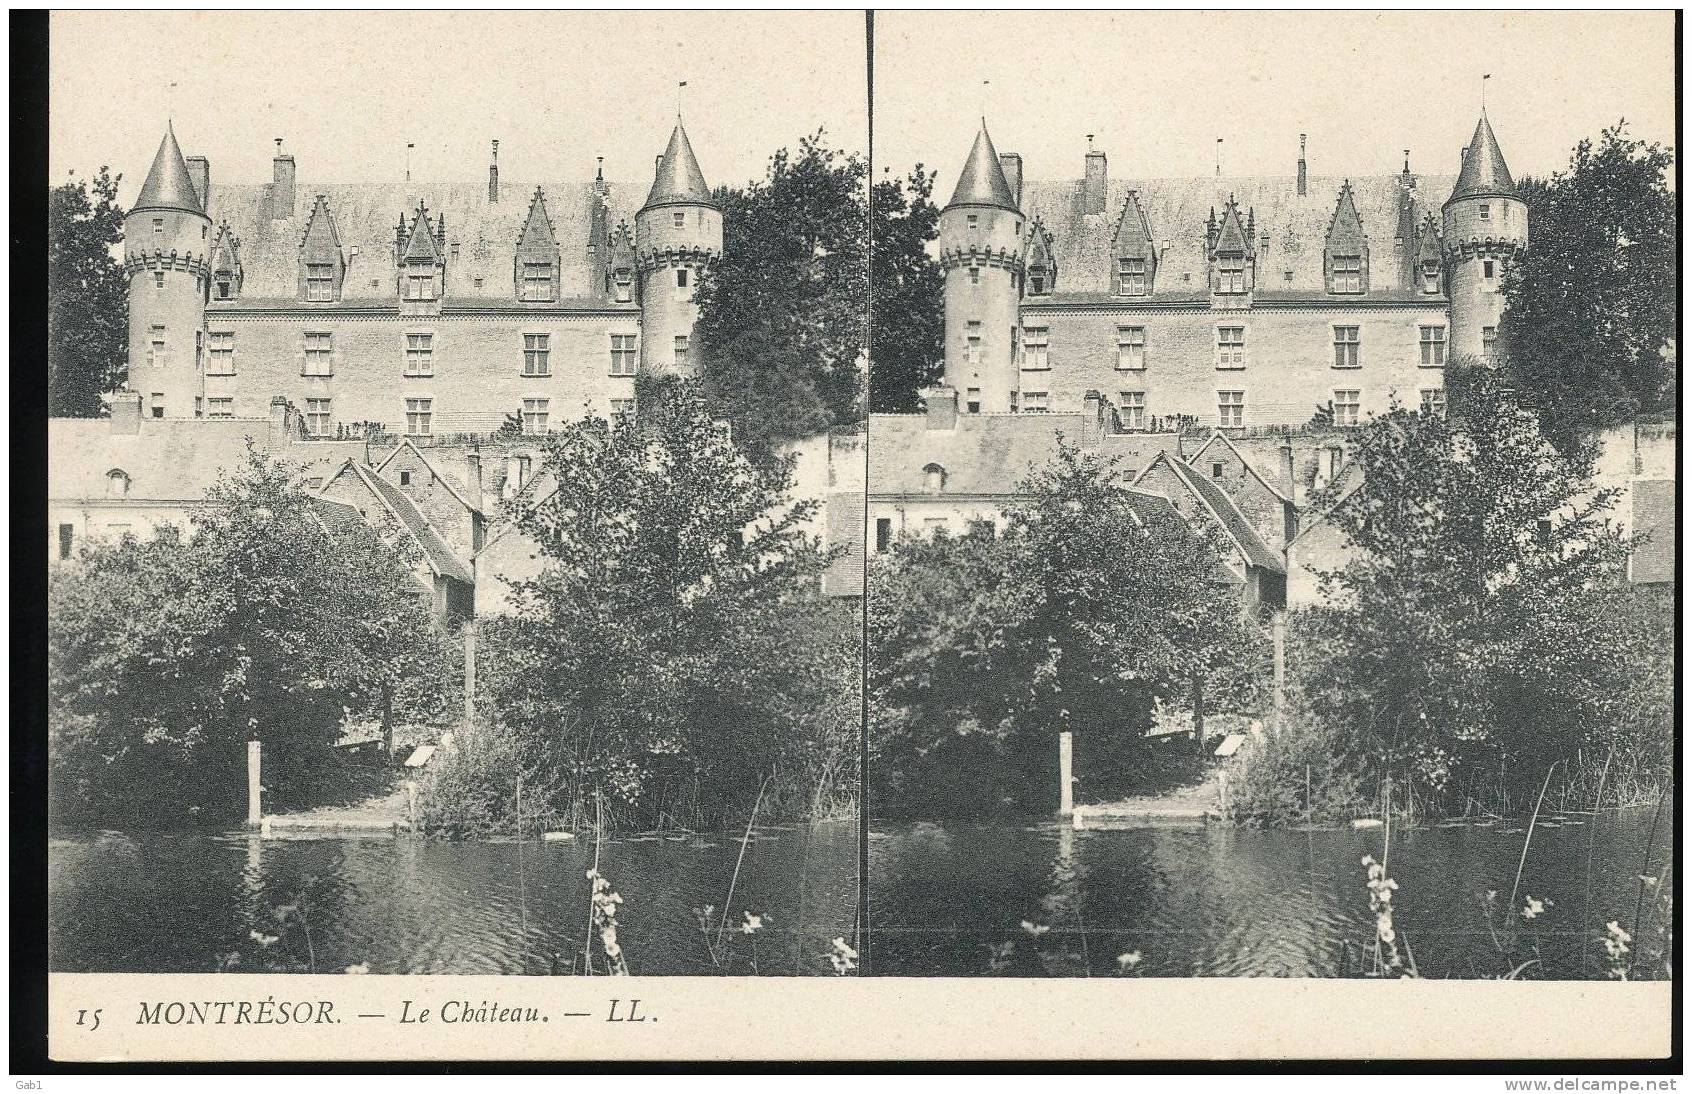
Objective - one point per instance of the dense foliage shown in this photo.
(908, 322)
(1084, 611)
(87, 296)
(1593, 303)
(257, 621)
(782, 315)
(675, 650)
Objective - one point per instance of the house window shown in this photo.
(972, 342)
(537, 281)
(158, 404)
(622, 285)
(419, 417)
(225, 284)
(534, 416)
(681, 351)
(156, 345)
(320, 281)
(1036, 402)
(1230, 409)
(1433, 346)
(419, 355)
(67, 540)
(221, 359)
(1430, 277)
(1131, 347)
(1133, 410)
(974, 221)
(1348, 406)
(1131, 276)
(158, 226)
(1035, 343)
(935, 527)
(117, 484)
(975, 275)
(1215, 470)
(1230, 347)
(220, 408)
(1486, 269)
(1433, 401)
(318, 417)
(319, 354)
(158, 280)
(933, 478)
(1485, 211)
(883, 534)
(623, 355)
(199, 407)
(972, 400)
(1489, 340)
(405, 478)
(682, 293)
(678, 219)
(620, 407)
(1348, 274)
(1230, 274)
(1348, 348)
(1037, 281)
(537, 355)
(420, 286)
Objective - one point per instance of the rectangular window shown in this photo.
(1348, 406)
(320, 281)
(883, 535)
(1230, 409)
(534, 416)
(1433, 401)
(419, 417)
(158, 280)
(158, 404)
(67, 540)
(622, 406)
(158, 226)
(678, 219)
(220, 408)
(319, 354)
(682, 293)
(1489, 341)
(1131, 277)
(934, 527)
(420, 286)
(1131, 347)
(156, 345)
(972, 400)
(975, 275)
(622, 286)
(1348, 274)
(318, 417)
(1133, 410)
(419, 355)
(1485, 211)
(972, 342)
(1036, 402)
(1430, 277)
(623, 355)
(1230, 347)
(1037, 282)
(1035, 344)
(537, 281)
(537, 355)
(1433, 346)
(974, 221)
(1230, 274)
(681, 357)
(1348, 348)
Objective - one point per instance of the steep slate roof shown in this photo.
(1233, 522)
(982, 453)
(168, 185)
(1221, 439)
(435, 551)
(982, 181)
(679, 179)
(1291, 230)
(364, 216)
(455, 486)
(1483, 172)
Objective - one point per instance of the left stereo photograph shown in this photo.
(455, 492)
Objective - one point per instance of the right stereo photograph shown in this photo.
(1271, 497)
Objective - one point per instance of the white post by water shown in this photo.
(469, 674)
(1279, 628)
(1066, 774)
(255, 788)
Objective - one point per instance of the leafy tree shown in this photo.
(1473, 637)
(675, 642)
(907, 307)
(1084, 611)
(257, 622)
(1592, 305)
(87, 296)
(782, 313)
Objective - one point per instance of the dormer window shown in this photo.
(537, 281)
(320, 281)
(224, 284)
(1430, 277)
(1131, 277)
(1347, 274)
(622, 285)
(117, 484)
(1037, 281)
(419, 286)
(933, 478)
(1230, 275)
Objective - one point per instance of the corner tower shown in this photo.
(166, 256)
(678, 232)
(981, 254)
(1485, 228)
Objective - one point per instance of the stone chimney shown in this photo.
(284, 422)
(126, 413)
(282, 188)
(1094, 184)
(1092, 418)
(1011, 164)
(473, 476)
(1289, 478)
(1303, 175)
(199, 170)
(941, 404)
(493, 175)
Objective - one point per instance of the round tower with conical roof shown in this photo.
(981, 254)
(678, 233)
(166, 255)
(1484, 229)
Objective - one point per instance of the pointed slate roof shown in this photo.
(320, 234)
(421, 246)
(1345, 230)
(1039, 248)
(982, 181)
(1232, 238)
(1483, 170)
(168, 185)
(1133, 230)
(679, 181)
(537, 226)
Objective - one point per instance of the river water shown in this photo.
(186, 901)
(1216, 901)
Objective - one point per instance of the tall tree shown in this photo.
(782, 315)
(906, 285)
(1473, 637)
(1592, 306)
(87, 296)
